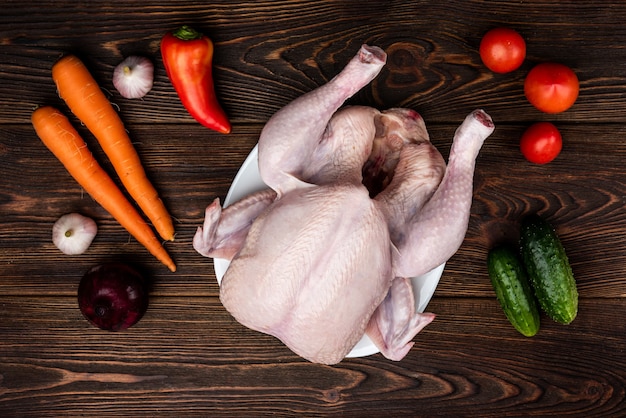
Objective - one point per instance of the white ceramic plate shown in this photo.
(248, 180)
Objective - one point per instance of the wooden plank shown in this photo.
(187, 356)
(265, 55)
(190, 166)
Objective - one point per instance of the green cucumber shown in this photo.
(549, 270)
(510, 281)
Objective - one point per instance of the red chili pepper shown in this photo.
(187, 56)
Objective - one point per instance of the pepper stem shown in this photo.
(186, 33)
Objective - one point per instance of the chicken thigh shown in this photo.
(427, 207)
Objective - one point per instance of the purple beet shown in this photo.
(113, 296)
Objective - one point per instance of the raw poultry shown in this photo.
(318, 259)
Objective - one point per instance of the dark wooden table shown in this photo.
(187, 356)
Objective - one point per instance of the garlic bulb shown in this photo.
(73, 233)
(133, 77)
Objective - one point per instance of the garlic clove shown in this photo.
(73, 233)
(133, 77)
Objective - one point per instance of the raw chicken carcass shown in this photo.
(315, 260)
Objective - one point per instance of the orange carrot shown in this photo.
(58, 134)
(86, 100)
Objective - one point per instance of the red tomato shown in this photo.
(551, 87)
(502, 50)
(541, 143)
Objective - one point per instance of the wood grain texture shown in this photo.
(191, 167)
(187, 356)
(265, 55)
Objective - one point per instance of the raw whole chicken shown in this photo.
(358, 201)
